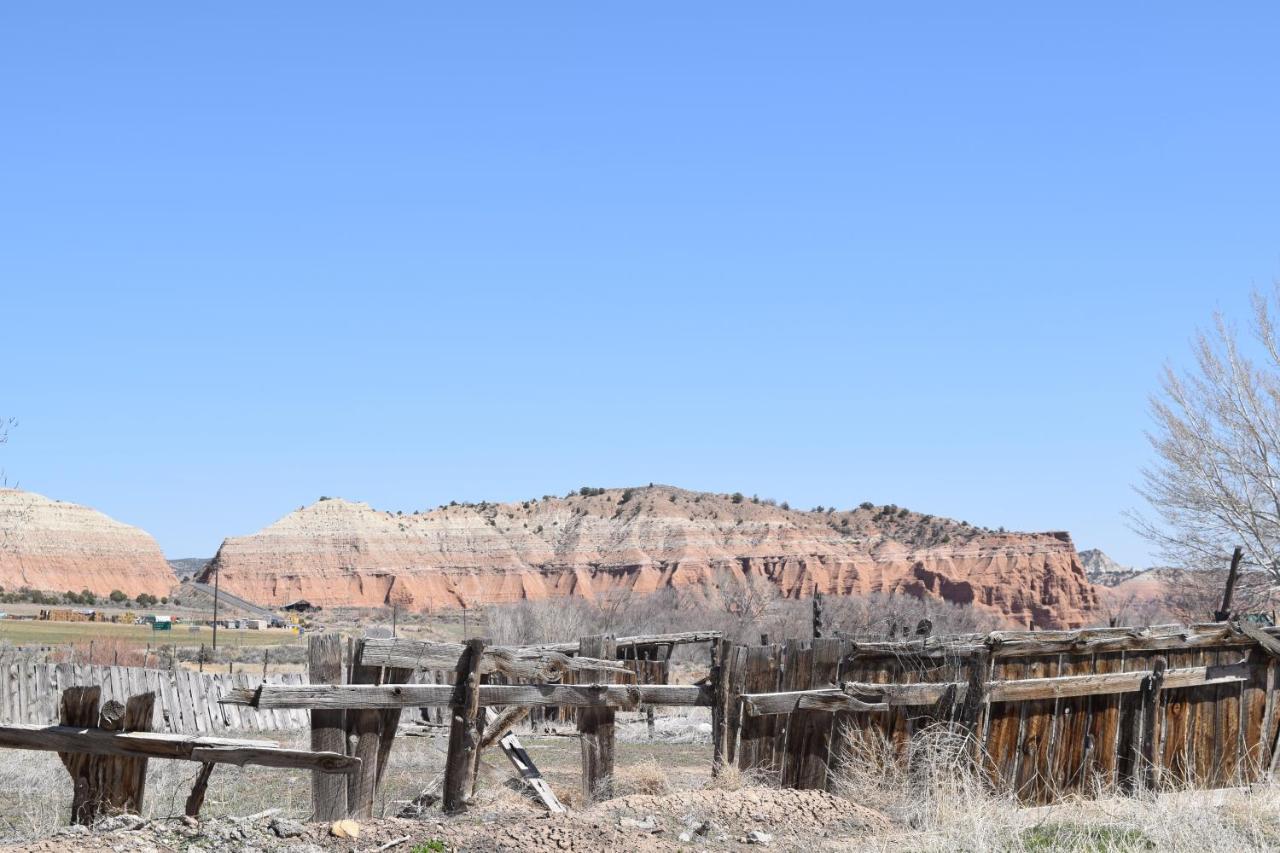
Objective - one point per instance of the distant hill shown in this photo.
(186, 567)
(598, 541)
(1105, 571)
(55, 546)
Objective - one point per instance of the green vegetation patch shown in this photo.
(1083, 837)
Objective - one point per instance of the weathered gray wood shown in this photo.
(595, 725)
(364, 732)
(390, 719)
(1145, 740)
(196, 798)
(328, 728)
(863, 696)
(500, 729)
(675, 639)
(528, 662)
(460, 764)
(1006, 644)
(79, 708)
(164, 745)
(1269, 644)
(625, 697)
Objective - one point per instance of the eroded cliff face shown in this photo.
(339, 553)
(54, 546)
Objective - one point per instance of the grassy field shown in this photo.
(27, 633)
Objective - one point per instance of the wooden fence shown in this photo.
(1050, 713)
(186, 702)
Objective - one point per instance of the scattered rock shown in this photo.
(649, 823)
(757, 836)
(285, 828)
(345, 829)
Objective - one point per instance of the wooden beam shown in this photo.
(621, 696)
(676, 639)
(784, 702)
(879, 697)
(1006, 644)
(1269, 644)
(182, 747)
(528, 662)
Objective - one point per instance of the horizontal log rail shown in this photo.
(511, 661)
(206, 750)
(623, 697)
(1010, 644)
(881, 697)
(675, 639)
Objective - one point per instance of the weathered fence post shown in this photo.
(460, 764)
(1145, 769)
(595, 725)
(328, 728)
(105, 783)
(817, 614)
(719, 664)
(365, 726)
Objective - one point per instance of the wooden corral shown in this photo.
(1051, 712)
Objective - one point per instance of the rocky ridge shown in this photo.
(1103, 570)
(599, 541)
(55, 546)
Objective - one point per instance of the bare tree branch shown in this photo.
(1215, 482)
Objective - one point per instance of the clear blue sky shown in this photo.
(253, 253)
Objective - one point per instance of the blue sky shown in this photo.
(255, 253)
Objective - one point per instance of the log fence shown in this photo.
(1045, 713)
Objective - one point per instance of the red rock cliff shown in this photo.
(339, 553)
(58, 547)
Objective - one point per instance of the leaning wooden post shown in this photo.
(328, 728)
(463, 743)
(817, 614)
(1224, 612)
(595, 725)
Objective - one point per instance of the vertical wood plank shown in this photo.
(463, 743)
(328, 728)
(595, 725)
(365, 727)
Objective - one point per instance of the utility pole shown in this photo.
(1224, 612)
(216, 575)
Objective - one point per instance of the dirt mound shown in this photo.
(335, 552)
(750, 818)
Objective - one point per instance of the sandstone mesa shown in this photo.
(336, 553)
(54, 546)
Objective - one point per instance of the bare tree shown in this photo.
(1215, 483)
(6, 424)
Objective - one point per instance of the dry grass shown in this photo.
(943, 801)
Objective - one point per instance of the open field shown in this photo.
(22, 632)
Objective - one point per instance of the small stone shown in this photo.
(345, 829)
(73, 829)
(190, 821)
(285, 828)
(648, 824)
(756, 836)
(686, 836)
